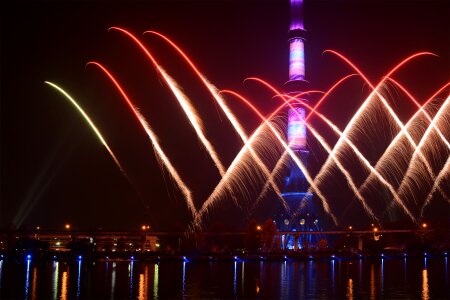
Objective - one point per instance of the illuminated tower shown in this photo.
(302, 215)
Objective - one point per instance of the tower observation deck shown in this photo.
(302, 215)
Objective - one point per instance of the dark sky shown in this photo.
(54, 167)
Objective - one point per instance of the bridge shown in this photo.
(147, 240)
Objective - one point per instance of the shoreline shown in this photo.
(260, 257)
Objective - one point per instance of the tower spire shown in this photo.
(296, 42)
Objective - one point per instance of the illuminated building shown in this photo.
(302, 215)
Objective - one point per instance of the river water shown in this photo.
(376, 278)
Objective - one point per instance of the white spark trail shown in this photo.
(445, 171)
(228, 113)
(219, 188)
(154, 140)
(395, 148)
(421, 144)
(355, 117)
(343, 138)
(183, 100)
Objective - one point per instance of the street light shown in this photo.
(350, 227)
(258, 228)
(67, 226)
(424, 225)
(376, 237)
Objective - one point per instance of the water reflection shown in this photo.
(299, 270)
(106, 273)
(79, 279)
(64, 281)
(55, 279)
(382, 276)
(234, 278)
(130, 276)
(332, 274)
(350, 289)
(259, 279)
(1, 270)
(183, 280)
(360, 271)
(284, 280)
(325, 279)
(156, 281)
(310, 276)
(242, 275)
(372, 281)
(404, 266)
(27, 278)
(34, 284)
(445, 259)
(425, 292)
(113, 280)
(143, 284)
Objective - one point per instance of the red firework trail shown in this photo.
(293, 156)
(354, 148)
(157, 148)
(411, 97)
(182, 100)
(288, 100)
(394, 142)
(234, 122)
(322, 142)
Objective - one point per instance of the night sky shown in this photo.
(55, 168)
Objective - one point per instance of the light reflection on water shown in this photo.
(311, 282)
(372, 281)
(350, 289)
(234, 278)
(425, 292)
(113, 280)
(283, 280)
(382, 277)
(155, 281)
(79, 279)
(332, 274)
(1, 271)
(445, 265)
(183, 281)
(27, 278)
(34, 284)
(65, 279)
(130, 276)
(368, 278)
(55, 279)
(242, 275)
(143, 284)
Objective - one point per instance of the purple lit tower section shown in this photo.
(296, 42)
(302, 216)
(296, 83)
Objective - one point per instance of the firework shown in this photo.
(154, 140)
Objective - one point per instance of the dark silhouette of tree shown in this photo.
(253, 236)
(269, 228)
